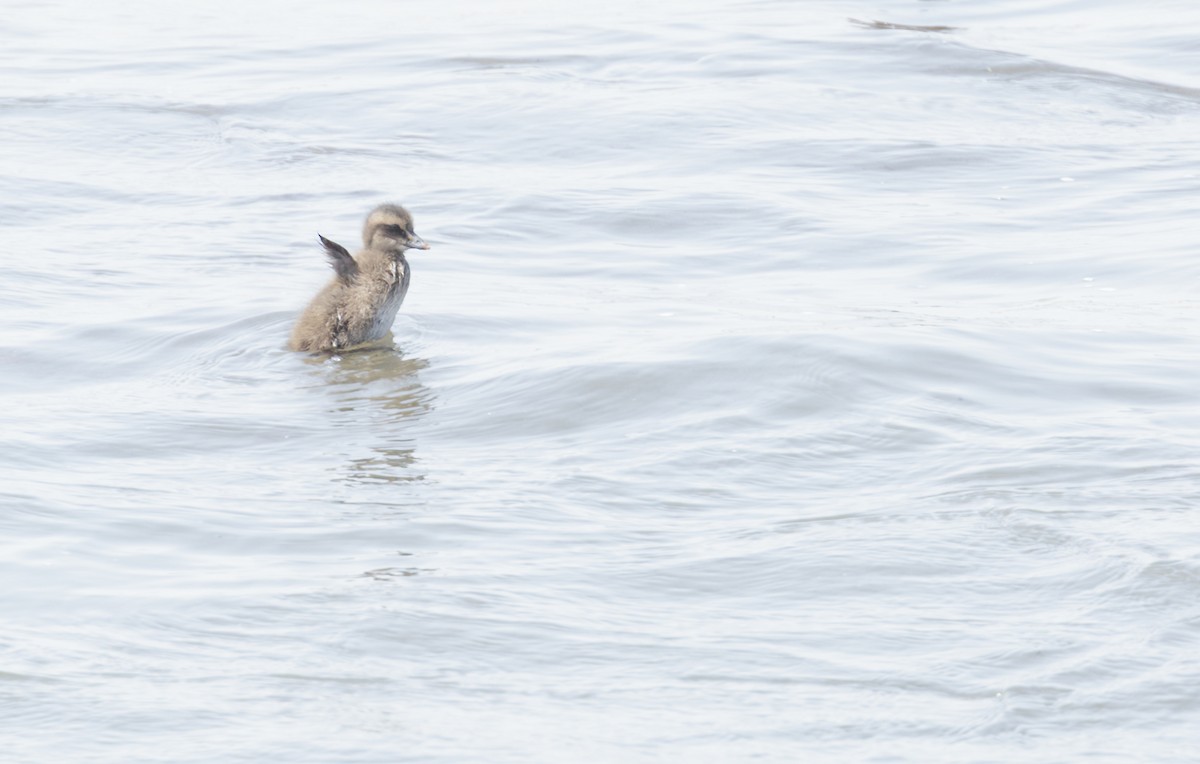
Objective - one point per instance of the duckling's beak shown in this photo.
(416, 242)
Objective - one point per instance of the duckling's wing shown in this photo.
(343, 264)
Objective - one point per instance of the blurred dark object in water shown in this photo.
(905, 27)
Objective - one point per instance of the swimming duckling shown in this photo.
(361, 301)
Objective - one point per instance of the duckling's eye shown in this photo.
(395, 230)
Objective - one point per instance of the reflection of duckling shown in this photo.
(360, 303)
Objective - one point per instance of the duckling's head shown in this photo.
(389, 228)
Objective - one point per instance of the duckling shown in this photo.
(361, 301)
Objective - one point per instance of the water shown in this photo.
(777, 388)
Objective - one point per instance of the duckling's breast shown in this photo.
(393, 298)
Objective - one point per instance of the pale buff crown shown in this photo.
(389, 227)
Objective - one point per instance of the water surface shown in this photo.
(778, 387)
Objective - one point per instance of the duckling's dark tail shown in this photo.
(343, 264)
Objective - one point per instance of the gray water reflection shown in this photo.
(376, 396)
